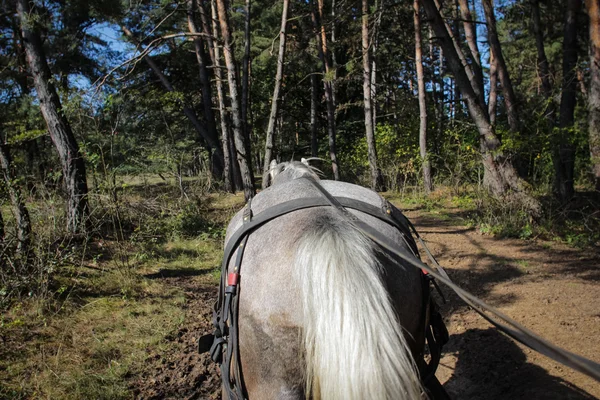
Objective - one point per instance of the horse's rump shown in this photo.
(272, 318)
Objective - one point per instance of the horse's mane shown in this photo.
(290, 170)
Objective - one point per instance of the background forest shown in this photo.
(124, 125)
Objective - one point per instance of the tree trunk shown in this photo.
(376, 26)
(276, 89)
(593, 9)
(211, 140)
(500, 175)
(215, 56)
(322, 50)
(468, 71)
(542, 60)
(22, 221)
(243, 155)
(471, 37)
(73, 165)
(205, 84)
(493, 98)
(376, 179)
(510, 100)
(314, 100)
(246, 73)
(422, 105)
(543, 68)
(564, 156)
(442, 99)
(333, 57)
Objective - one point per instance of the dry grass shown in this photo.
(109, 309)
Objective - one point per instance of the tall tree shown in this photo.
(542, 60)
(246, 71)
(426, 165)
(593, 10)
(241, 146)
(493, 97)
(564, 156)
(211, 139)
(471, 37)
(376, 179)
(499, 174)
(231, 175)
(276, 89)
(314, 145)
(72, 162)
(205, 78)
(510, 100)
(321, 39)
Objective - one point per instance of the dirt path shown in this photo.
(551, 289)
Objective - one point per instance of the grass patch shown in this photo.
(110, 302)
(87, 344)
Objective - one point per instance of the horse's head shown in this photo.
(286, 171)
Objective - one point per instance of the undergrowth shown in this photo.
(94, 308)
(576, 223)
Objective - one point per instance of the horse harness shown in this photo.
(225, 346)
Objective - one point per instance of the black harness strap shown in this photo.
(310, 202)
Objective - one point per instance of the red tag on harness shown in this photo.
(233, 279)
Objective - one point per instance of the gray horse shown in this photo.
(323, 312)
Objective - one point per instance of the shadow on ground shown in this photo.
(490, 366)
(176, 273)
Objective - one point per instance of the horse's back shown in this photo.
(271, 314)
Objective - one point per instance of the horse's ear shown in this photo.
(304, 161)
(272, 171)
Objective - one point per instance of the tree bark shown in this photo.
(593, 10)
(205, 83)
(543, 67)
(493, 97)
(471, 37)
(333, 56)
(510, 100)
(467, 68)
(376, 25)
(500, 175)
(542, 60)
(73, 165)
(564, 156)
(246, 72)
(442, 99)
(229, 181)
(322, 50)
(422, 105)
(211, 139)
(314, 100)
(241, 147)
(276, 89)
(376, 179)
(22, 221)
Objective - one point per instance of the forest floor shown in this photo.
(142, 343)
